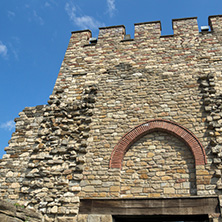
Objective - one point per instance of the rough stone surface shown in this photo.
(10, 212)
(158, 165)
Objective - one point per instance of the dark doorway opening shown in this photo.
(162, 218)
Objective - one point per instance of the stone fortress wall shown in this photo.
(128, 118)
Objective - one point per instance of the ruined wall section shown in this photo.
(212, 56)
(44, 162)
(14, 163)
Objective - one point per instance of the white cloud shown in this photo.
(111, 7)
(37, 18)
(50, 3)
(10, 125)
(3, 50)
(47, 4)
(14, 51)
(85, 21)
(14, 46)
(11, 14)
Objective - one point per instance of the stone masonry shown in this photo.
(133, 118)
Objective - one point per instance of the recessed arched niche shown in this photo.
(158, 159)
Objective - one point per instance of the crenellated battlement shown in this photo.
(114, 32)
(215, 23)
(185, 26)
(80, 38)
(147, 30)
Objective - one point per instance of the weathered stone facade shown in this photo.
(128, 119)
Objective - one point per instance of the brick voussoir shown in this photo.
(163, 125)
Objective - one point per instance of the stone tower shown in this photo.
(131, 132)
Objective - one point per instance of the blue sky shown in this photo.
(34, 35)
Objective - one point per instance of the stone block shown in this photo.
(114, 189)
(67, 219)
(54, 210)
(6, 218)
(94, 218)
(169, 190)
(88, 188)
(106, 218)
(136, 190)
(82, 217)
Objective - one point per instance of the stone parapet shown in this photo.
(215, 23)
(79, 38)
(147, 30)
(185, 26)
(111, 33)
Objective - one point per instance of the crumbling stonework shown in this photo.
(17, 213)
(137, 118)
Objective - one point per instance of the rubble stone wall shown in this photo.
(60, 152)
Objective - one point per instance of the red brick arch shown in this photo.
(157, 125)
